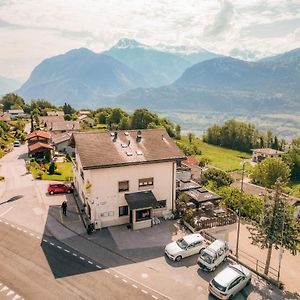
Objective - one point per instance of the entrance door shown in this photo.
(130, 216)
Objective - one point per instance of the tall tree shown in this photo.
(269, 170)
(277, 226)
(12, 100)
(292, 158)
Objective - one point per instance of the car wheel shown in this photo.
(178, 258)
(51, 192)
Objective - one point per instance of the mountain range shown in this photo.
(7, 85)
(132, 74)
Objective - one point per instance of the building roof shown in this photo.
(201, 196)
(55, 113)
(141, 200)
(253, 189)
(16, 111)
(191, 161)
(65, 126)
(36, 146)
(60, 137)
(85, 117)
(49, 120)
(84, 112)
(103, 150)
(38, 133)
(188, 185)
(5, 117)
(267, 151)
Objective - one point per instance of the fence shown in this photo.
(216, 221)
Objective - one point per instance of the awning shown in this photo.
(141, 200)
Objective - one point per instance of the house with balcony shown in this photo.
(126, 177)
(259, 155)
(39, 144)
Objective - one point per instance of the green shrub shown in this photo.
(219, 177)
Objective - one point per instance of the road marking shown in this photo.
(5, 288)
(59, 247)
(25, 231)
(98, 267)
(154, 297)
(145, 292)
(107, 271)
(90, 262)
(81, 258)
(19, 228)
(12, 225)
(31, 234)
(124, 280)
(4, 213)
(67, 251)
(6, 223)
(74, 254)
(38, 237)
(52, 244)
(1, 221)
(44, 240)
(116, 276)
(16, 297)
(134, 286)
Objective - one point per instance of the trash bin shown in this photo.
(90, 228)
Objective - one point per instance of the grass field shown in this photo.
(222, 158)
(65, 168)
(294, 188)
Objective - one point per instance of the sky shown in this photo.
(32, 30)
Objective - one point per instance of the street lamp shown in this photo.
(239, 214)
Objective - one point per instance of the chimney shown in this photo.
(115, 136)
(138, 136)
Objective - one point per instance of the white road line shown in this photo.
(81, 258)
(74, 254)
(12, 225)
(154, 297)
(90, 262)
(67, 251)
(4, 213)
(52, 244)
(1, 221)
(25, 231)
(38, 237)
(44, 240)
(59, 247)
(133, 285)
(16, 297)
(98, 267)
(107, 271)
(6, 223)
(19, 228)
(5, 288)
(124, 280)
(116, 276)
(31, 234)
(145, 292)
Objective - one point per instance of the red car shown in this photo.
(57, 188)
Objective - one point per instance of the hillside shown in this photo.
(8, 85)
(80, 76)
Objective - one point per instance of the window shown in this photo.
(162, 203)
(142, 215)
(146, 182)
(123, 186)
(123, 210)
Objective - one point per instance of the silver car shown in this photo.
(229, 281)
(188, 245)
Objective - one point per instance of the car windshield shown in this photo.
(206, 257)
(182, 243)
(218, 286)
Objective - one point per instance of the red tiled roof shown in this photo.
(39, 145)
(191, 161)
(101, 150)
(39, 133)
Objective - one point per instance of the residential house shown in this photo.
(47, 121)
(16, 113)
(55, 113)
(5, 117)
(86, 120)
(126, 176)
(61, 142)
(83, 112)
(39, 144)
(64, 126)
(260, 154)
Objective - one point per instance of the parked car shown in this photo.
(188, 245)
(213, 255)
(230, 281)
(17, 143)
(57, 188)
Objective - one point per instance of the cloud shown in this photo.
(222, 21)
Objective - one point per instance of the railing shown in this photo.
(227, 219)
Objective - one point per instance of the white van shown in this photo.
(213, 255)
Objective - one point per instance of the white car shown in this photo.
(17, 143)
(229, 281)
(188, 245)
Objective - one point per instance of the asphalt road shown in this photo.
(34, 267)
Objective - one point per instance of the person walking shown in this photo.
(64, 206)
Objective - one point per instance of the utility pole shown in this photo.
(239, 214)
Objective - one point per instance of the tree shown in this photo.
(277, 226)
(31, 123)
(269, 170)
(190, 137)
(10, 100)
(52, 168)
(292, 158)
(219, 177)
(141, 118)
(116, 115)
(125, 123)
(177, 132)
(68, 109)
